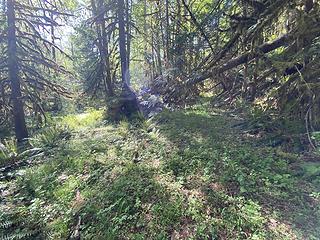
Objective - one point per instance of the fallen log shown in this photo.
(244, 58)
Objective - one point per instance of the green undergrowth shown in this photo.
(188, 174)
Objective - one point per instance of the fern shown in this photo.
(24, 234)
(15, 230)
(51, 136)
(5, 224)
(14, 227)
(8, 150)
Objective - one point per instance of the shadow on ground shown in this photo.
(210, 145)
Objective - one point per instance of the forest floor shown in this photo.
(189, 174)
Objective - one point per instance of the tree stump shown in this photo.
(125, 106)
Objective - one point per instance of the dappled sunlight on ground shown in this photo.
(182, 175)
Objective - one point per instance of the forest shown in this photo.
(160, 119)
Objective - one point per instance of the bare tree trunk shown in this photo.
(158, 43)
(179, 49)
(167, 33)
(128, 33)
(18, 113)
(128, 101)
(125, 74)
(103, 45)
(147, 68)
(105, 52)
(154, 72)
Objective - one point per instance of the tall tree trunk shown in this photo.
(105, 51)
(179, 48)
(125, 74)
(18, 113)
(158, 43)
(98, 9)
(153, 53)
(128, 32)
(147, 68)
(128, 103)
(167, 34)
